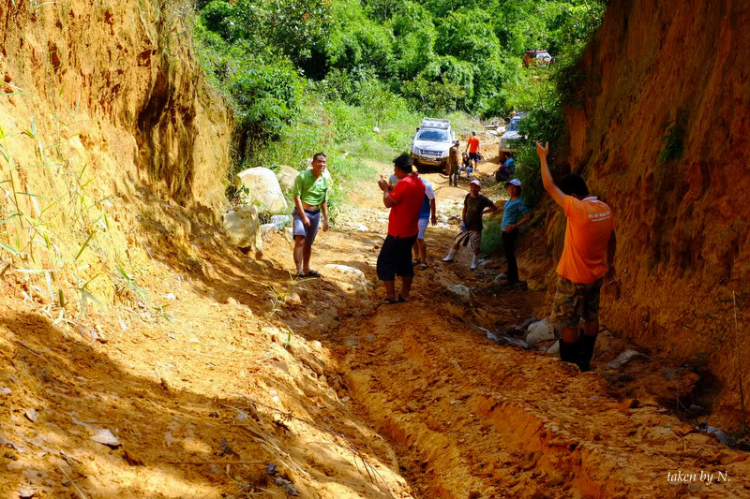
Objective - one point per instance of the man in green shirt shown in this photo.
(311, 192)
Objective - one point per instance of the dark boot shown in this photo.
(586, 344)
(569, 352)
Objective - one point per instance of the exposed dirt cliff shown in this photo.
(102, 107)
(660, 129)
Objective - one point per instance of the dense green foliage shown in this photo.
(427, 56)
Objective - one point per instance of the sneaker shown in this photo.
(448, 259)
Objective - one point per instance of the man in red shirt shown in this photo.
(405, 201)
(473, 147)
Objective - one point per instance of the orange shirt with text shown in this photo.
(590, 223)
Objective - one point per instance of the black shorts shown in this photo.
(395, 258)
(474, 156)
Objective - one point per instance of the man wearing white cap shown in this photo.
(475, 205)
(515, 214)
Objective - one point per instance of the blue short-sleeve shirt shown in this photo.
(514, 211)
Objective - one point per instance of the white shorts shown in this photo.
(423, 223)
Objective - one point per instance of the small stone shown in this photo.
(231, 301)
(718, 434)
(31, 415)
(5, 391)
(105, 437)
(345, 400)
(293, 299)
(461, 291)
(27, 492)
(539, 332)
(624, 358)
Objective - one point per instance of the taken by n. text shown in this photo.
(700, 477)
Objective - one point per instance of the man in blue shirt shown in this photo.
(507, 167)
(515, 215)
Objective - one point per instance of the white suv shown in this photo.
(431, 144)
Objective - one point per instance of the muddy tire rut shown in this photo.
(468, 418)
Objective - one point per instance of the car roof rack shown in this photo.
(436, 123)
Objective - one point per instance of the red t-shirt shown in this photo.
(473, 144)
(409, 196)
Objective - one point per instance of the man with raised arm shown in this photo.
(588, 257)
(311, 193)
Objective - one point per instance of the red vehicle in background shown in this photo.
(537, 58)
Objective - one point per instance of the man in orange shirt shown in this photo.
(588, 257)
(473, 147)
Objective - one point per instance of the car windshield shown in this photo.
(513, 126)
(434, 136)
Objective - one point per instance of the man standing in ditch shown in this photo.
(588, 256)
(311, 193)
(405, 200)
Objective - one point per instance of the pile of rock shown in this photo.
(260, 193)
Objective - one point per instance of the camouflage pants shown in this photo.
(575, 301)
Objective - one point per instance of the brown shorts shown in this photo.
(574, 301)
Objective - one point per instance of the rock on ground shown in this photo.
(539, 332)
(286, 177)
(461, 291)
(243, 227)
(263, 188)
(345, 271)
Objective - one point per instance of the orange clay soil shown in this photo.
(346, 398)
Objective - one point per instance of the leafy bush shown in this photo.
(492, 237)
(528, 171)
(267, 98)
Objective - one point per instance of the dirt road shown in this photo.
(252, 384)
